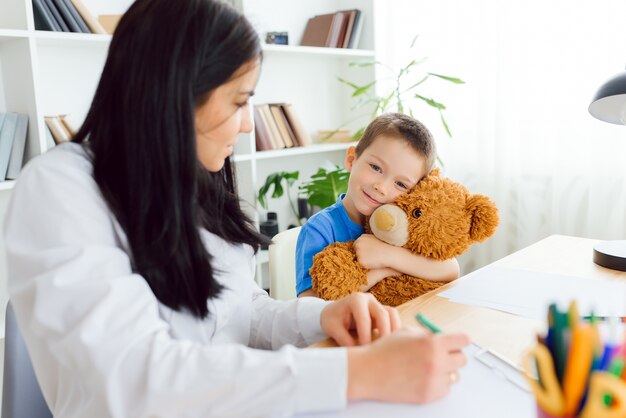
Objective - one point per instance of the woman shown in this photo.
(131, 263)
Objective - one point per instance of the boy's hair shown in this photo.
(403, 127)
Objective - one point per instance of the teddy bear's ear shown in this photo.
(435, 172)
(484, 215)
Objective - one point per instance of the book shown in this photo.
(43, 17)
(351, 14)
(337, 31)
(317, 31)
(59, 131)
(16, 160)
(289, 127)
(77, 17)
(261, 134)
(90, 20)
(357, 28)
(68, 124)
(335, 136)
(6, 141)
(57, 16)
(302, 135)
(282, 124)
(270, 123)
(109, 22)
(67, 17)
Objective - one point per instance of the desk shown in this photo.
(506, 334)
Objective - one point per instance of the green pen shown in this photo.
(427, 323)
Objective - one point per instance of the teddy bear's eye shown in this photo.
(417, 213)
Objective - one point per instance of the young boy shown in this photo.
(395, 152)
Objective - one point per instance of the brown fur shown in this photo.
(451, 220)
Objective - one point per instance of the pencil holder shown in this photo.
(577, 374)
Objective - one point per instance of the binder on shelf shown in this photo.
(89, 19)
(7, 132)
(43, 17)
(57, 15)
(66, 15)
(16, 160)
(82, 26)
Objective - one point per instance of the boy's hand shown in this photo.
(359, 312)
(371, 252)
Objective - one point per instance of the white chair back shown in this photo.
(282, 264)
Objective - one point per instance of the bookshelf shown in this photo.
(50, 73)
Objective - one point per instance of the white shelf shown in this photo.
(313, 50)
(311, 149)
(8, 34)
(7, 184)
(49, 38)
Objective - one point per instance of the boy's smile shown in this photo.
(388, 167)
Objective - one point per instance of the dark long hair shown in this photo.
(165, 58)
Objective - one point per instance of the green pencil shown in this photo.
(427, 323)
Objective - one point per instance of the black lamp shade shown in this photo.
(609, 103)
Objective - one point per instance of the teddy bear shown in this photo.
(438, 218)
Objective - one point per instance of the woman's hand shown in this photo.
(358, 312)
(415, 367)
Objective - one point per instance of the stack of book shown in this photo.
(59, 129)
(277, 126)
(334, 30)
(65, 16)
(13, 132)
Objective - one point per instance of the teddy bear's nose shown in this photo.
(384, 220)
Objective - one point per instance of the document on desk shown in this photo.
(529, 293)
(482, 391)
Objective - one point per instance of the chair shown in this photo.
(282, 264)
(21, 396)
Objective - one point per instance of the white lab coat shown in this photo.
(101, 343)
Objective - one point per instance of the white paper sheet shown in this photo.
(481, 392)
(529, 293)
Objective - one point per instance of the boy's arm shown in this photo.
(375, 254)
(310, 242)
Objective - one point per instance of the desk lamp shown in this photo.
(609, 105)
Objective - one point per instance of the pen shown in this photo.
(605, 318)
(427, 323)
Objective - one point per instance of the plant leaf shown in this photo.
(445, 124)
(363, 63)
(349, 83)
(275, 180)
(431, 102)
(454, 80)
(358, 134)
(414, 41)
(363, 89)
(325, 186)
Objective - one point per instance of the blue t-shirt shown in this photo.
(329, 225)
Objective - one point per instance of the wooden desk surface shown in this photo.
(506, 334)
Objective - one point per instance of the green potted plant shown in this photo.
(321, 191)
(404, 94)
